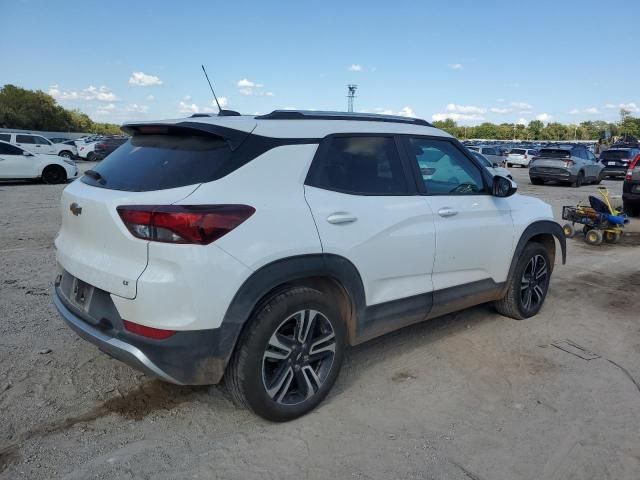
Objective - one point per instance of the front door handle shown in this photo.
(447, 212)
(340, 218)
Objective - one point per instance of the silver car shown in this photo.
(492, 154)
(567, 164)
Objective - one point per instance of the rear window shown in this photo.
(554, 153)
(518, 151)
(159, 162)
(616, 155)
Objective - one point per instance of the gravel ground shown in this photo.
(468, 396)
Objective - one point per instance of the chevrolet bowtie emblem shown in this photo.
(75, 209)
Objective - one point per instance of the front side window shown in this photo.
(41, 141)
(25, 139)
(5, 137)
(9, 150)
(444, 169)
(360, 165)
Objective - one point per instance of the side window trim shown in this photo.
(484, 173)
(325, 146)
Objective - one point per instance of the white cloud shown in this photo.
(522, 105)
(592, 110)
(632, 107)
(224, 101)
(458, 117)
(455, 66)
(248, 87)
(151, 98)
(452, 107)
(589, 110)
(110, 106)
(184, 107)
(544, 117)
(135, 108)
(403, 112)
(500, 110)
(355, 67)
(521, 121)
(574, 111)
(102, 94)
(186, 98)
(141, 79)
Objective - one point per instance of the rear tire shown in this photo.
(508, 165)
(279, 372)
(65, 154)
(54, 174)
(612, 237)
(630, 210)
(577, 183)
(91, 157)
(529, 284)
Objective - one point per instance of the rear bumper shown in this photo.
(197, 357)
(631, 198)
(558, 175)
(614, 171)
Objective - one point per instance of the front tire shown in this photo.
(54, 174)
(289, 356)
(91, 157)
(577, 183)
(65, 154)
(529, 284)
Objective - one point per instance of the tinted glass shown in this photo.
(25, 139)
(518, 151)
(554, 153)
(41, 141)
(361, 165)
(5, 137)
(157, 162)
(482, 159)
(489, 151)
(616, 155)
(9, 150)
(445, 170)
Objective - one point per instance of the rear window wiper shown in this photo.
(96, 176)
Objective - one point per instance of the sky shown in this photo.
(472, 61)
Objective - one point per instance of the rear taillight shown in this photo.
(193, 224)
(569, 163)
(632, 165)
(149, 332)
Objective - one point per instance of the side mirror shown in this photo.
(503, 187)
(27, 154)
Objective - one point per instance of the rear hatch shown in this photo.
(615, 158)
(552, 158)
(517, 154)
(159, 168)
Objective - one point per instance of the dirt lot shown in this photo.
(468, 396)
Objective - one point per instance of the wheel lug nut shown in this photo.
(297, 368)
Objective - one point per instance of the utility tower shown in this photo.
(351, 96)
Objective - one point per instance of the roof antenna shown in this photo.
(221, 112)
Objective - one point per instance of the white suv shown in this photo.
(39, 145)
(258, 247)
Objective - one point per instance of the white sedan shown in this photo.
(17, 163)
(520, 156)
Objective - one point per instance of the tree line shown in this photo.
(36, 110)
(537, 130)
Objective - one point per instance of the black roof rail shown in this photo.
(319, 115)
(222, 113)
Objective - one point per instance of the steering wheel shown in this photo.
(464, 188)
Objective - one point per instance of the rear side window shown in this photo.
(518, 151)
(360, 165)
(25, 139)
(158, 162)
(554, 153)
(5, 137)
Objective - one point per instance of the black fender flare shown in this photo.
(269, 277)
(548, 227)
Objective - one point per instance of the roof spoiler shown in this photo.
(232, 136)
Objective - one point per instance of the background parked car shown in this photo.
(631, 188)
(490, 153)
(38, 144)
(106, 146)
(520, 156)
(86, 151)
(17, 163)
(616, 160)
(59, 139)
(494, 170)
(569, 164)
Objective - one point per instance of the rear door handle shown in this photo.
(447, 212)
(340, 218)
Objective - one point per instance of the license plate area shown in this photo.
(611, 163)
(81, 294)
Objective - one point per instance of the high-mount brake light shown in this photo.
(184, 224)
